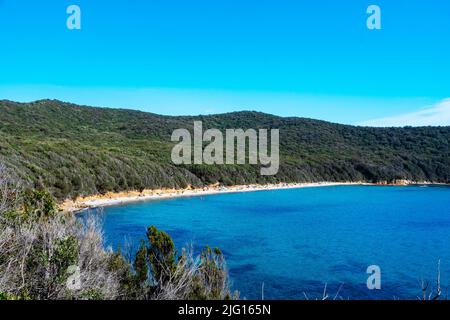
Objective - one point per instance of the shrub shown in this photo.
(44, 253)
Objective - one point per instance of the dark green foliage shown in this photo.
(161, 254)
(129, 288)
(140, 264)
(204, 279)
(38, 204)
(64, 256)
(158, 273)
(212, 275)
(75, 150)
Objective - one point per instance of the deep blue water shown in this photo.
(297, 240)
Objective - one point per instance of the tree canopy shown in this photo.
(74, 150)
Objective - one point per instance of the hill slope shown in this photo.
(76, 150)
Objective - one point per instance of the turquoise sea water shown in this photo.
(296, 241)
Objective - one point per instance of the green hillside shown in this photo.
(77, 150)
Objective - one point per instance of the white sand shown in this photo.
(148, 195)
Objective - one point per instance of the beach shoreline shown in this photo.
(121, 198)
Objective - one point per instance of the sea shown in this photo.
(341, 242)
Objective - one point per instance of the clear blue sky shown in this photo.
(301, 58)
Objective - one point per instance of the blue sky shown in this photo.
(292, 58)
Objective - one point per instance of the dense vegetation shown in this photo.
(75, 150)
(45, 254)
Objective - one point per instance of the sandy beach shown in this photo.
(119, 198)
(112, 199)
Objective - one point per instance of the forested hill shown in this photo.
(77, 150)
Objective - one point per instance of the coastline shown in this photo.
(119, 198)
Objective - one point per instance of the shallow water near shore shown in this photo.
(296, 241)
